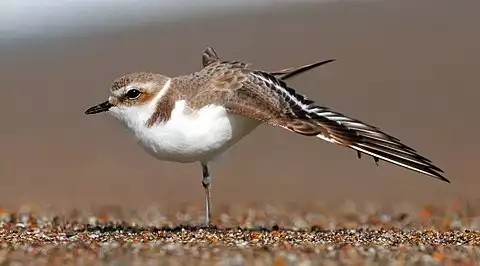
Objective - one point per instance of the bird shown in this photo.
(196, 117)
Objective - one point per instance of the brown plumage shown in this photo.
(264, 96)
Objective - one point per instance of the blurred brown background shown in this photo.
(410, 67)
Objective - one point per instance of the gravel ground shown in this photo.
(259, 235)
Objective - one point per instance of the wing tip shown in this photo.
(445, 180)
(439, 176)
(429, 169)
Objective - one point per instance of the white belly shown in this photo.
(191, 136)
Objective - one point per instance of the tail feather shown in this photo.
(210, 56)
(288, 73)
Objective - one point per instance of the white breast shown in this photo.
(189, 135)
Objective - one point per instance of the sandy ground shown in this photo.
(349, 234)
(409, 67)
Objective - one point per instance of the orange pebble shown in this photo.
(437, 256)
(279, 261)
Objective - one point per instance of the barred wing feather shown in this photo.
(301, 113)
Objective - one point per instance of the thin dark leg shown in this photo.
(206, 182)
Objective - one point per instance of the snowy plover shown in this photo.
(196, 117)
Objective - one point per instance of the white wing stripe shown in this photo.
(285, 93)
(391, 161)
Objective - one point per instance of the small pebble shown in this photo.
(249, 237)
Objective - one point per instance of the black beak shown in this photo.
(103, 107)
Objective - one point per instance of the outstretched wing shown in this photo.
(262, 96)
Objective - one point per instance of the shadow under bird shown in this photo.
(197, 117)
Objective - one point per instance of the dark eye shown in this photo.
(133, 93)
